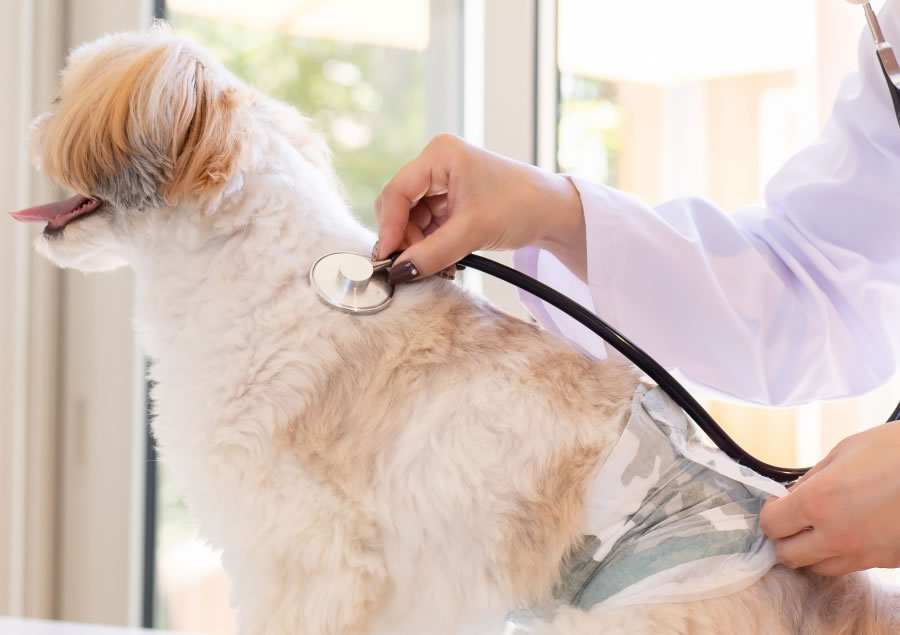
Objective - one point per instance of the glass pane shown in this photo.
(359, 69)
(590, 128)
(670, 99)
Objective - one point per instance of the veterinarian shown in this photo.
(782, 304)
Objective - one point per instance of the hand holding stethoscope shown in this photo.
(841, 516)
(455, 198)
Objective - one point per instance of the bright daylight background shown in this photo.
(660, 98)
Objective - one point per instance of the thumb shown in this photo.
(443, 247)
(811, 472)
(783, 517)
(818, 467)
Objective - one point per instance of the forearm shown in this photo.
(779, 304)
(567, 240)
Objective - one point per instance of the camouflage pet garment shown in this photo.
(669, 519)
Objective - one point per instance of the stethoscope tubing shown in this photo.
(643, 361)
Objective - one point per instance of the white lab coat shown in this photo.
(788, 303)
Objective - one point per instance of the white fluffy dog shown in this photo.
(422, 470)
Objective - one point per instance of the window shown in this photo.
(702, 109)
(378, 79)
(358, 69)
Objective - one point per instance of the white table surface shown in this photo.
(14, 626)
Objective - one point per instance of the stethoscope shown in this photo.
(354, 284)
(886, 58)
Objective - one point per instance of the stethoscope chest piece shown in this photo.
(349, 282)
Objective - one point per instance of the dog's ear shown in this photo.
(145, 120)
(207, 134)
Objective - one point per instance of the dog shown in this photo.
(421, 470)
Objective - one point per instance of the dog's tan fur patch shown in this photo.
(365, 404)
(159, 119)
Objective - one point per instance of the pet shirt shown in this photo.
(669, 519)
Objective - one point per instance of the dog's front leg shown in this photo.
(332, 585)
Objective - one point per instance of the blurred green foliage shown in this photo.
(590, 128)
(368, 101)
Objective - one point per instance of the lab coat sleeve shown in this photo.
(781, 304)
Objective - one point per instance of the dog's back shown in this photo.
(488, 393)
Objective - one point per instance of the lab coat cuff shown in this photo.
(526, 261)
(544, 266)
(602, 243)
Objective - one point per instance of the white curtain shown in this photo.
(28, 321)
(71, 409)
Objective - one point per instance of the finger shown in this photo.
(803, 549)
(449, 273)
(420, 216)
(783, 517)
(412, 235)
(815, 469)
(429, 213)
(442, 248)
(438, 207)
(837, 565)
(414, 181)
(378, 210)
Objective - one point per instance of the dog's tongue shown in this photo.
(58, 213)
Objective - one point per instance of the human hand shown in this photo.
(455, 198)
(844, 514)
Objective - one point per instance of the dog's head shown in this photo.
(147, 124)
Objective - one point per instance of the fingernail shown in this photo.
(403, 273)
(375, 251)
